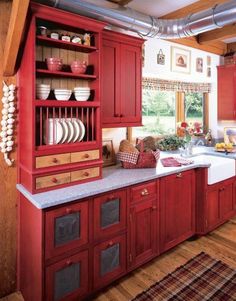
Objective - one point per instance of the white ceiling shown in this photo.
(157, 8)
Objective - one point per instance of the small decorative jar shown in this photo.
(54, 35)
(87, 39)
(65, 37)
(42, 30)
(76, 40)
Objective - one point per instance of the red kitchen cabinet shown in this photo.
(226, 92)
(215, 204)
(109, 260)
(67, 280)
(109, 214)
(177, 208)
(66, 228)
(121, 80)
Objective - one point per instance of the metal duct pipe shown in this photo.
(145, 25)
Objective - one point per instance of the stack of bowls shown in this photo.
(42, 91)
(62, 94)
(82, 93)
(78, 67)
(54, 64)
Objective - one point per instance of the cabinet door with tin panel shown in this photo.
(109, 260)
(109, 214)
(143, 232)
(66, 228)
(67, 280)
(177, 207)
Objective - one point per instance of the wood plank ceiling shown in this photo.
(212, 41)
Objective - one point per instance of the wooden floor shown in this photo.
(220, 244)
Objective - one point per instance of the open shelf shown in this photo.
(48, 73)
(65, 45)
(69, 103)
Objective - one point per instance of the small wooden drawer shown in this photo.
(85, 156)
(52, 160)
(52, 180)
(84, 174)
(143, 191)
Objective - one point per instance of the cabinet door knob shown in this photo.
(111, 197)
(154, 207)
(86, 174)
(110, 244)
(179, 175)
(121, 115)
(54, 180)
(68, 210)
(54, 160)
(69, 262)
(86, 156)
(116, 115)
(144, 192)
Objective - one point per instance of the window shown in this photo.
(158, 113)
(161, 110)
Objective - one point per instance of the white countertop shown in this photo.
(114, 177)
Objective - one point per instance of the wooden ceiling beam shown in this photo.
(14, 35)
(231, 47)
(120, 2)
(225, 32)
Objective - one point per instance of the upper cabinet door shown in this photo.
(226, 93)
(110, 82)
(130, 84)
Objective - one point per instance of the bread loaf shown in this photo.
(127, 147)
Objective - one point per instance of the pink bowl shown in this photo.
(54, 64)
(78, 67)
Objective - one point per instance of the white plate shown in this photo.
(82, 130)
(71, 131)
(76, 130)
(55, 131)
(66, 131)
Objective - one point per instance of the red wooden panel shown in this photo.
(143, 191)
(177, 208)
(100, 232)
(82, 259)
(130, 83)
(226, 201)
(226, 92)
(143, 235)
(100, 280)
(51, 216)
(212, 210)
(110, 103)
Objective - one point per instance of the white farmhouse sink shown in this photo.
(221, 168)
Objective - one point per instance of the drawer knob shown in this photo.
(86, 174)
(144, 192)
(68, 210)
(86, 156)
(111, 197)
(154, 207)
(116, 115)
(121, 115)
(54, 160)
(179, 175)
(54, 180)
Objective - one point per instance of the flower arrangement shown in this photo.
(187, 130)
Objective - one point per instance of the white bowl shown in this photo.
(42, 95)
(81, 97)
(62, 94)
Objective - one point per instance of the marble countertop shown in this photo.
(114, 177)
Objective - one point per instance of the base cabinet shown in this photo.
(68, 279)
(177, 208)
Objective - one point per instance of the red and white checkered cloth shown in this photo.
(174, 162)
(133, 157)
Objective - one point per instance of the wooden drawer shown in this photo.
(142, 191)
(84, 174)
(52, 160)
(52, 180)
(85, 156)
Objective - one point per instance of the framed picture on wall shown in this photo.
(180, 60)
(108, 153)
(199, 64)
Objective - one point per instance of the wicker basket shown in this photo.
(145, 159)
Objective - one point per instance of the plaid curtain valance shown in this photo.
(176, 86)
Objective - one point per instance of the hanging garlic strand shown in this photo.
(7, 122)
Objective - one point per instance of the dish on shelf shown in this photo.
(82, 93)
(66, 131)
(42, 91)
(82, 130)
(54, 64)
(78, 67)
(76, 130)
(55, 131)
(62, 94)
(71, 131)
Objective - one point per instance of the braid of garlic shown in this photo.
(6, 134)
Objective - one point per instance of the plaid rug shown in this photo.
(201, 278)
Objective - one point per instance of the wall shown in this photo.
(8, 195)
